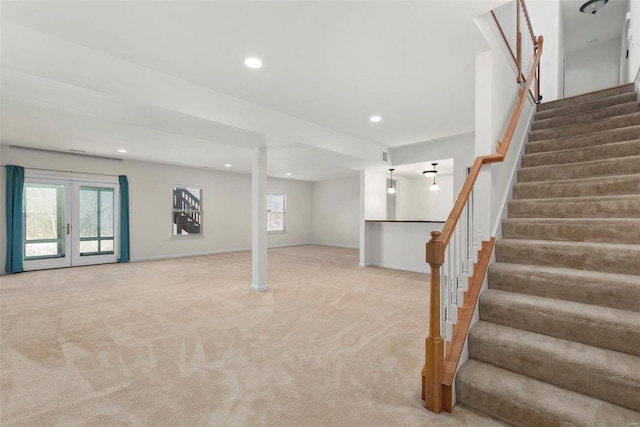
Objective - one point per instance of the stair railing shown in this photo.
(451, 255)
(509, 18)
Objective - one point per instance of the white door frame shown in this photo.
(72, 183)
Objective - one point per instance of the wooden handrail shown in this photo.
(508, 135)
(432, 373)
(528, 19)
(465, 192)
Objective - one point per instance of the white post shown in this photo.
(259, 220)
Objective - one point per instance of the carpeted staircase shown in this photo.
(558, 342)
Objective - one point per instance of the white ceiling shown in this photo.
(166, 80)
(584, 30)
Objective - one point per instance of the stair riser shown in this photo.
(581, 129)
(613, 291)
(589, 97)
(526, 402)
(484, 399)
(607, 167)
(588, 106)
(586, 117)
(607, 186)
(622, 259)
(589, 154)
(595, 231)
(542, 364)
(608, 137)
(617, 334)
(619, 207)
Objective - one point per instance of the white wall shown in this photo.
(299, 212)
(546, 21)
(432, 205)
(375, 195)
(226, 204)
(336, 212)
(594, 68)
(634, 43)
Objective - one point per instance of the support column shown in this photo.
(259, 220)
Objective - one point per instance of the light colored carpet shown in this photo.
(184, 342)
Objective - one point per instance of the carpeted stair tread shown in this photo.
(582, 141)
(587, 97)
(584, 187)
(620, 206)
(586, 116)
(592, 371)
(558, 341)
(587, 106)
(608, 328)
(602, 167)
(526, 402)
(581, 129)
(620, 291)
(604, 257)
(605, 230)
(607, 151)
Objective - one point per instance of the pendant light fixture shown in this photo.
(434, 186)
(391, 190)
(592, 6)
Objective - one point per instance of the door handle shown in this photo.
(68, 228)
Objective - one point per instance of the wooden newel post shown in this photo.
(434, 346)
(540, 41)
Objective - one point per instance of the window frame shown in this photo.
(283, 212)
(200, 212)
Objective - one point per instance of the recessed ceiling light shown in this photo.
(288, 173)
(375, 119)
(227, 165)
(253, 63)
(122, 151)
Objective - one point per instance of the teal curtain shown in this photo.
(15, 226)
(124, 219)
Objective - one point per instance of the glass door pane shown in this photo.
(96, 221)
(94, 239)
(46, 224)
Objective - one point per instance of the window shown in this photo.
(187, 211)
(276, 210)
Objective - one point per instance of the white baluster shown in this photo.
(469, 237)
(443, 299)
(476, 224)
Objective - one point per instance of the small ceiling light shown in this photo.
(433, 172)
(375, 119)
(227, 165)
(592, 6)
(253, 63)
(391, 190)
(288, 174)
(122, 151)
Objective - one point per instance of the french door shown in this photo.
(69, 223)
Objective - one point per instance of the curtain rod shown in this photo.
(58, 170)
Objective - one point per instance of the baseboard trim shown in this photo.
(335, 245)
(259, 288)
(400, 267)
